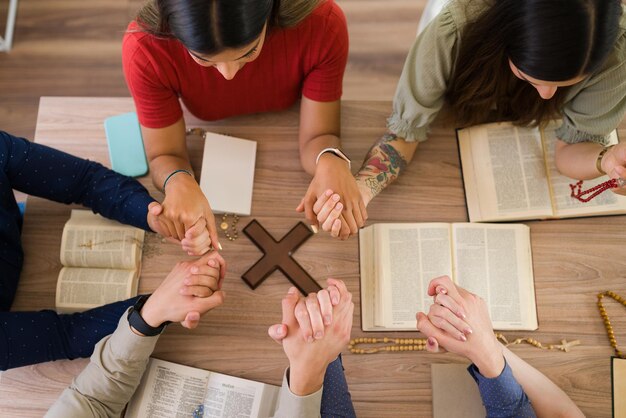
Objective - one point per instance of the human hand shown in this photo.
(196, 241)
(333, 173)
(309, 357)
(480, 346)
(614, 164)
(184, 206)
(189, 290)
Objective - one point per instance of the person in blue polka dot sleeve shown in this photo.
(34, 337)
(458, 321)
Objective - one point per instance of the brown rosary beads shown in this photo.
(224, 226)
(607, 321)
(419, 344)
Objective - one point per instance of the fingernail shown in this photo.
(327, 320)
(280, 330)
(442, 290)
(468, 331)
(336, 197)
(335, 300)
(461, 314)
(314, 229)
(318, 335)
(462, 337)
(194, 269)
(292, 290)
(329, 192)
(309, 339)
(430, 341)
(339, 206)
(187, 281)
(219, 246)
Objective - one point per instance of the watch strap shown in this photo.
(136, 321)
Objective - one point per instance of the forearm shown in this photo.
(384, 162)
(310, 149)
(106, 385)
(578, 161)
(164, 165)
(547, 398)
(52, 174)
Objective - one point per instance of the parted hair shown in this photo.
(549, 40)
(211, 26)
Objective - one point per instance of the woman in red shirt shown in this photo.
(231, 57)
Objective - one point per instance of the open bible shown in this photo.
(510, 174)
(173, 390)
(101, 261)
(398, 260)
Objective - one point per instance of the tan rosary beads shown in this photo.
(419, 344)
(225, 226)
(607, 321)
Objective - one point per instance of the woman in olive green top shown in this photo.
(525, 61)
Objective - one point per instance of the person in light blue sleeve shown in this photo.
(458, 321)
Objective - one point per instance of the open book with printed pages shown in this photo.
(398, 260)
(509, 174)
(173, 390)
(227, 176)
(101, 261)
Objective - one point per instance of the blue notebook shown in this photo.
(126, 150)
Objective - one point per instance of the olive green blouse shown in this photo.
(593, 107)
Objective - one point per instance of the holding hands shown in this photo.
(196, 240)
(333, 173)
(190, 290)
(314, 330)
(459, 322)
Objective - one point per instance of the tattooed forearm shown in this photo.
(382, 165)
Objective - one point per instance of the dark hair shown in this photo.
(211, 26)
(549, 40)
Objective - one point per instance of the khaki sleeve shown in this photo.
(422, 85)
(106, 385)
(294, 406)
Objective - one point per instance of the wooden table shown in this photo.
(573, 260)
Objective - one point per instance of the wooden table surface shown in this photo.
(573, 261)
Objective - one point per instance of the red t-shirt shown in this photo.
(307, 59)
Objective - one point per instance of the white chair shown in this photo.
(7, 41)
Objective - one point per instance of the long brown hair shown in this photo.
(210, 26)
(550, 40)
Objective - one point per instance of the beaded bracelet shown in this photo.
(172, 173)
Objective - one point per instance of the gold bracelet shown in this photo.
(599, 159)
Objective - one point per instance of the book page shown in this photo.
(83, 288)
(229, 396)
(495, 262)
(566, 206)
(90, 240)
(410, 256)
(168, 390)
(618, 386)
(506, 178)
(369, 275)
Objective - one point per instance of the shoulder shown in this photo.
(326, 16)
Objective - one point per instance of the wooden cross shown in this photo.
(278, 255)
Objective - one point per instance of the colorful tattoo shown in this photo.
(382, 165)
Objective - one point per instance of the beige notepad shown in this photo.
(455, 393)
(618, 374)
(227, 176)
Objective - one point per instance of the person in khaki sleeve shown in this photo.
(108, 382)
(526, 61)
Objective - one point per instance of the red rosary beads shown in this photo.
(578, 193)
